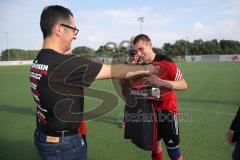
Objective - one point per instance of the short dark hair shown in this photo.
(141, 37)
(51, 15)
(131, 51)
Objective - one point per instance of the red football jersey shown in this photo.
(168, 71)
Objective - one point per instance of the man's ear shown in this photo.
(58, 29)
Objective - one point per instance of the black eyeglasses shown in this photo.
(74, 28)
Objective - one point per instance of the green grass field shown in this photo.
(206, 109)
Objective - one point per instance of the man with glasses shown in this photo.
(74, 28)
(57, 83)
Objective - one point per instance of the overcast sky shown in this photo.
(101, 21)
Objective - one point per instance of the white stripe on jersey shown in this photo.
(180, 77)
(178, 74)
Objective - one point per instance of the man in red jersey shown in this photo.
(165, 111)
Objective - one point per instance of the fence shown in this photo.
(213, 58)
(11, 63)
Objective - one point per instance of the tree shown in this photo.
(105, 51)
(230, 46)
(18, 54)
(212, 47)
(181, 47)
(83, 50)
(168, 49)
(197, 47)
(157, 50)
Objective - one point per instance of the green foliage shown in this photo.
(83, 50)
(18, 54)
(157, 50)
(230, 46)
(199, 47)
(106, 51)
(179, 48)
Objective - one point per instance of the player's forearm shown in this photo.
(179, 85)
(120, 71)
(127, 71)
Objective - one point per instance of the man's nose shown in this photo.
(74, 37)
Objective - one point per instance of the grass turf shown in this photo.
(206, 109)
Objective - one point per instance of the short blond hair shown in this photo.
(141, 37)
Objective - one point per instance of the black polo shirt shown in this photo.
(57, 84)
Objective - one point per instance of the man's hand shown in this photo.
(156, 81)
(229, 136)
(149, 69)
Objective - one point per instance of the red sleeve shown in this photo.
(175, 73)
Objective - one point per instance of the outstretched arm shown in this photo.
(119, 71)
